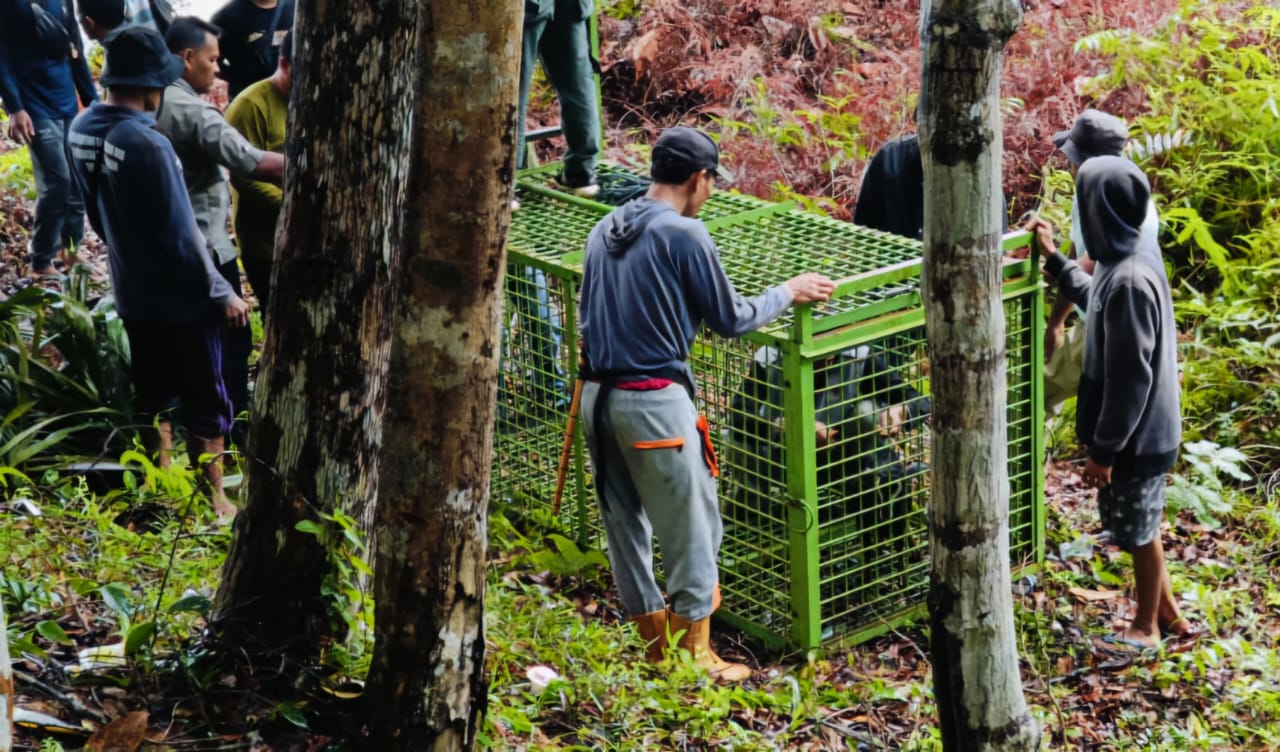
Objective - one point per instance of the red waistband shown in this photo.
(644, 385)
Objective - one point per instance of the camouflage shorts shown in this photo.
(1131, 509)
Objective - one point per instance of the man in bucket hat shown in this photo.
(172, 300)
(651, 278)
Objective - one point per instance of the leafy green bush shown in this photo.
(64, 378)
(1212, 76)
(15, 173)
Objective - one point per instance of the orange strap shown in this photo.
(676, 443)
(708, 451)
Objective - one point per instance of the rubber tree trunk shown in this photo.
(427, 687)
(977, 683)
(7, 694)
(321, 387)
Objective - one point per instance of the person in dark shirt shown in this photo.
(99, 18)
(252, 32)
(42, 93)
(892, 194)
(173, 302)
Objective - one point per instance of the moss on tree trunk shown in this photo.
(426, 685)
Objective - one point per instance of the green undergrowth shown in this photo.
(138, 568)
(133, 566)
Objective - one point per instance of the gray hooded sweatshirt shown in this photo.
(1128, 411)
(651, 278)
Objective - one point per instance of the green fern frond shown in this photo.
(1147, 145)
(1107, 41)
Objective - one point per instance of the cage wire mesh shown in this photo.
(822, 417)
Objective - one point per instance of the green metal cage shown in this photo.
(822, 417)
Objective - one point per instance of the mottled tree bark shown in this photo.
(426, 685)
(975, 661)
(320, 391)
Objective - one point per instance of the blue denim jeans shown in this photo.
(565, 49)
(59, 219)
(537, 364)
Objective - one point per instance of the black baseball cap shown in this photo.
(690, 149)
(1094, 134)
(137, 56)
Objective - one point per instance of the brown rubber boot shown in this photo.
(197, 446)
(697, 640)
(653, 630)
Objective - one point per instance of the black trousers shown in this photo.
(237, 343)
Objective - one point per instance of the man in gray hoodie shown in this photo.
(651, 278)
(1128, 410)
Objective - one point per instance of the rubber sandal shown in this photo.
(1124, 645)
(1167, 630)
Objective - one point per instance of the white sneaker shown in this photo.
(515, 204)
(590, 190)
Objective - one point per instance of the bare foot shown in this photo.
(1140, 638)
(224, 510)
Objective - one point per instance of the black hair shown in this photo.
(286, 46)
(106, 14)
(133, 92)
(669, 169)
(189, 33)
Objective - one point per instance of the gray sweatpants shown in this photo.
(651, 478)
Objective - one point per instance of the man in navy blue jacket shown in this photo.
(173, 301)
(42, 90)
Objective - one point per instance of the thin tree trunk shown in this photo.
(320, 391)
(426, 686)
(7, 694)
(977, 684)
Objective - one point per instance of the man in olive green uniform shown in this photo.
(556, 32)
(260, 114)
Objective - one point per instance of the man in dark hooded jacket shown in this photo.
(651, 278)
(1128, 410)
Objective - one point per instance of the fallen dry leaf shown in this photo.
(1091, 596)
(644, 51)
(124, 734)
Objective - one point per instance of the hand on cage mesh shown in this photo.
(810, 287)
(1053, 336)
(825, 435)
(1043, 238)
(891, 420)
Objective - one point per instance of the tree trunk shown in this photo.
(975, 661)
(426, 685)
(7, 694)
(320, 391)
